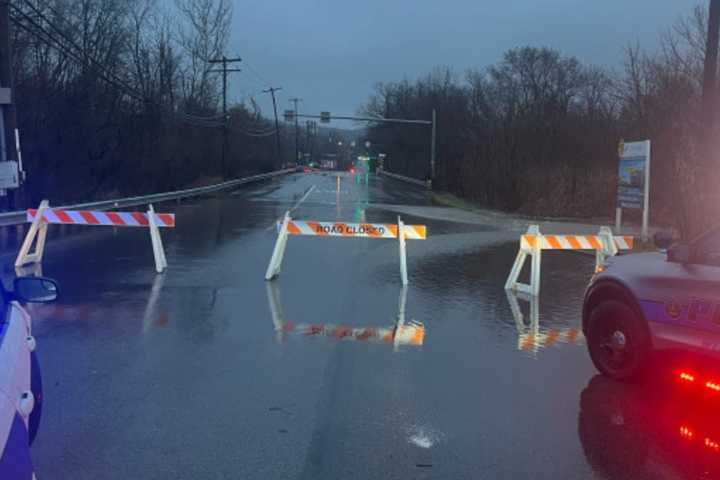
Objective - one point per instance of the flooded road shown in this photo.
(333, 370)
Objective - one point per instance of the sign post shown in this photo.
(634, 182)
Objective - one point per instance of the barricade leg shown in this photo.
(400, 322)
(535, 268)
(535, 251)
(38, 229)
(512, 282)
(403, 257)
(275, 265)
(156, 240)
(276, 311)
(609, 249)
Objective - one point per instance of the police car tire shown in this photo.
(637, 339)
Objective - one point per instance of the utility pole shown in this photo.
(297, 147)
(709, 87)
(8, 114)
(272, 91)
(225, 70)
(432, 147)
(308, 128)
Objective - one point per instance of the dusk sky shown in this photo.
(330, 53)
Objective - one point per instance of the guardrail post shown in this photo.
(403, 257)
(275, 265)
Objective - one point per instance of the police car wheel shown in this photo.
(617, 340)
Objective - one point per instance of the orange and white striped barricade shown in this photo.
(530, 337)
(345, 230)
(403, 333)
(43, 216)
(533, 243)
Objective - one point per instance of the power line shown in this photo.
(254, 71)
(87, 58)
(48, 38)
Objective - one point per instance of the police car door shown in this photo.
(694, 301)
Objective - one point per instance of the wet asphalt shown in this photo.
(209, 371)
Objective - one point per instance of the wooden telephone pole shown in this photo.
(224, 70)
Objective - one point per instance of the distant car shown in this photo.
(653, 302)
(20, 380)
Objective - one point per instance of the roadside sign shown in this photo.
(631, 176)
(289, 115)
(9, 175)
(634, 180)
(325, 117)
(5, 96)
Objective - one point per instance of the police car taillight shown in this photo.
(687, 377)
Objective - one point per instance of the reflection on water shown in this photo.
(631, 431)
(402, 333)
(531, 337)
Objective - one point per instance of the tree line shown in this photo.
(116, 97)
(538, 132)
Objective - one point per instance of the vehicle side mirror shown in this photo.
(35, 289)
(679, 253)
(663, 239)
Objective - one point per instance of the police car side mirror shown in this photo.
(679, 253)
(35, 289)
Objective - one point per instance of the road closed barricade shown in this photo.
(43, 216)
(533, 243)
(346, 230)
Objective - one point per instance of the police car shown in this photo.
(654, 302)
(20, 382)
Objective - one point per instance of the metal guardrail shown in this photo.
(19, 216)
(403, 178)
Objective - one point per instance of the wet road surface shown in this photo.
(208, 371)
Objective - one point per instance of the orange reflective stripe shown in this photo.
(593, 241)
(553, 241)
(393, 230)
(552, 337)
(530, 239)
(573, 242)
(316, 228)
(293, 229)
(573, 335)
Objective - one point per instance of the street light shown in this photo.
(339, 144)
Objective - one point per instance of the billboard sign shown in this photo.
(633, 174)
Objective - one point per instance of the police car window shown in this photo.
(707, 249)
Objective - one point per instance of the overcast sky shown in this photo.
(330, 53)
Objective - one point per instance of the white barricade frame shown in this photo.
(278, 254)
(604, 243)
(37, 235)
